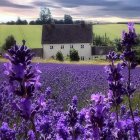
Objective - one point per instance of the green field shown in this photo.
(32, 33)
(112, 30)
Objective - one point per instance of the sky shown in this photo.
(91, 10)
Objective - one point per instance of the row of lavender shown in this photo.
(65, 81)
(29, 110)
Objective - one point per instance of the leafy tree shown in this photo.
(138, 55)
(74, 56)
(68, 19)
(58, 21)
(138, 39)
(59, 56)
(102, 40)
(11, 23)
(45, 15)
(32, 22)
(117, 44)
(9, 42)
(21, 22)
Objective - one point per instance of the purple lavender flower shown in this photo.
(129, 39)
(74, 100)
(19, 69)
(48, 91)
(112, 56)
(31, 135)
(6, 133)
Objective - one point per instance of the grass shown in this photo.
(31, 33)
(112, 30)
(40, 60)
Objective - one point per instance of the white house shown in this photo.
(63, 37)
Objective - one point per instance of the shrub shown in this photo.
(138, 56)
(9, 42)
(117, 44)
(74, 56)
(59, 56)
(102, 40)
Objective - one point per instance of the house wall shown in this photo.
(83, 52)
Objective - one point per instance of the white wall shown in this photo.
(86, 51)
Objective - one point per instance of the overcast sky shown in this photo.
(97, 10)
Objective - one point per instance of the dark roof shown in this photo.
(66, 33)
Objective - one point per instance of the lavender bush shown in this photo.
(30, 111)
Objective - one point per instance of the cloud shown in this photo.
(77, 3)
(77, 8)
(45, 4)
(119, 8)
(6, 3)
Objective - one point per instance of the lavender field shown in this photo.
(70, 102)
(67, 80)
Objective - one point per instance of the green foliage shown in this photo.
(21, 22)
(117, 44)
(102, 40)
(9, 42)
(18, 22)
(68, 19)
(59, 56)
(138, 54)
(45, 15)
(74, 56)
(138, 39)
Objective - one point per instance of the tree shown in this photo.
(32, 22)
(74, 56)
(21, 22)
(9, 42)
(45, 15)
(101, 40)
(68, 19)
(11, 23)
(59, 56)
(117, 43)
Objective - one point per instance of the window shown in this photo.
(82, 58)
(71, 46)
(51, 47)
(82, 46)
(62, 46)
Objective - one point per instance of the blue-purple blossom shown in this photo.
(34, 116)
(6, 133)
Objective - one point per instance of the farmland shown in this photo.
(67, 80)
(32, 33)
(112, 30)
(62, 86)
(80, 101)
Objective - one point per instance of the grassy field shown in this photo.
(112, 30)
(32, 33)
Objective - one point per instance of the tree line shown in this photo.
(45, 17)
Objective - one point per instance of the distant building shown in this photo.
(63, 37)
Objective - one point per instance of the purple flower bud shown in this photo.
(131, 27)
(31, 135)
(25, 107)
(48, 91)
(74, 100)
